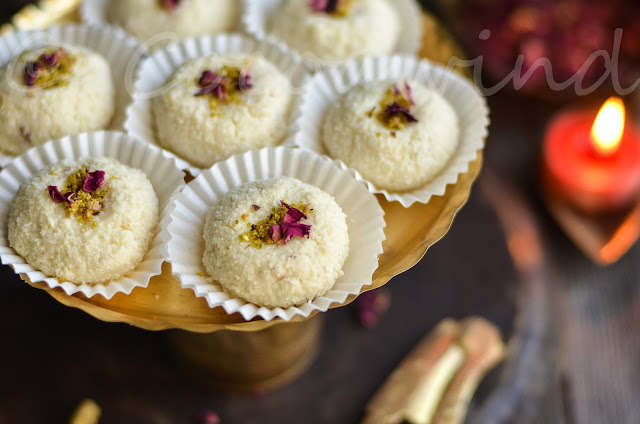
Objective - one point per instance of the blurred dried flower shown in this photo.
(371, 305)
(207, 417)
(567, 32)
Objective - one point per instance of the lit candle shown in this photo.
(593, 161)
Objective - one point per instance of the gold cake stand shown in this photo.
(224, 353)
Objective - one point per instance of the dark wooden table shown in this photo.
(51, 357)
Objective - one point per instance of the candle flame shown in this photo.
(608, 128)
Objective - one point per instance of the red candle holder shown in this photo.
(590, 179)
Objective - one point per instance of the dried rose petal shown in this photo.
(207, 78)
(326, 6)
(409, 92)
(225, 83)
(210, 82)
(48, 60)
(395, 109)
(293, 215)
(207, 417)
(207, 82)
(296, 230)
(291, 226)
(51, 59)
(58, 197)
(371, 306)
(318, 5)
(220, 92)
(170, 5)
(255, 207)
(93, 181)
(276, 232)
(32, 72)
(244, 82)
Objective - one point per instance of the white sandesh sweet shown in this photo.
(399, 147)
(145, 19)
(208, 121)
(254, 258)
(53, 92)
(92, 235)
(354, 28)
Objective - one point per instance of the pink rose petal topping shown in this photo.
(224, 84)
(32, 72)
(210, 82)
(279, 227)
(171, 5)
(45, 64)
(50, 59)
(93, 181)
(395, 109)
(370, 306)
(293, 215)
(291, 226)
(207, 417)
(244, 81)
(58, 197)
(276, 232)
(324, 6)
(409, 92)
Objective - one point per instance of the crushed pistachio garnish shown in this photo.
(82, 197)
(339, 8)
(394, 111)
(50, 69)
(224, 85)
(282, 224)
(170, 5)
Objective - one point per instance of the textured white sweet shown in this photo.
(186, 124)
(71, 249)
(371, 28)
(414, 156)
(31, 115)
(275, 275)
(146, 18)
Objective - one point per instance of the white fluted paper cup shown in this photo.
(113, 44)
(95, 12)
(258, 15)
(184, 229)
(470, 106)
(166, 178)
(157, 69)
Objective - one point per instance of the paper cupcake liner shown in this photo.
(112, 43)
(365, 219)
(257, 14)
(94, 12)
(326, 87)
(155, 71)
(166, 178)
